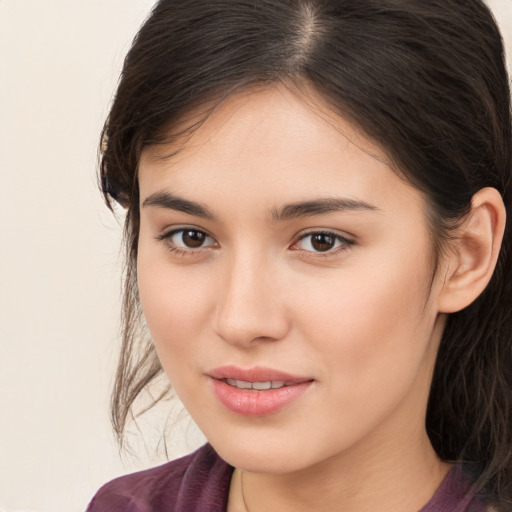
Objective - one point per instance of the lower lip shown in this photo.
(258, 403)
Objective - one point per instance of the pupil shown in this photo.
(322, 242)
(193, 239)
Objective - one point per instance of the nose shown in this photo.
(250, 305)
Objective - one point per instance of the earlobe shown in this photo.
(472, 259)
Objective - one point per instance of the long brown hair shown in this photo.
(424, 78)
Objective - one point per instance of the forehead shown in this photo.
(269, 106)
(275, 142)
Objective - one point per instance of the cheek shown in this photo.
(174, 304)
(371, 323)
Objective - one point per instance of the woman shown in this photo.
(316, 196)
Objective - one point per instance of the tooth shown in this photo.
(259, 386)
(262, 385)
(240, 384)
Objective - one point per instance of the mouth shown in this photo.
(258, 386)
(257, 391)
(256, 375)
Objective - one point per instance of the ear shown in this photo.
(470, 263)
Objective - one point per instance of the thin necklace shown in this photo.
(242, 489)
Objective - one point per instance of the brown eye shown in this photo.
(321, 242)
(193, 239)
(188, 239)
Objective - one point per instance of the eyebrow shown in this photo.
(172, 202)
(288, 212)
(320, 207)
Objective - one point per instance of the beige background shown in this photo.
(59, 257)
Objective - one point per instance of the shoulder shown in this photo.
(459, 493)
(199, 481)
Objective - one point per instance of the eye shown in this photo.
(188, 239)
(321, 242)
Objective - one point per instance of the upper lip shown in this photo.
(255, 374)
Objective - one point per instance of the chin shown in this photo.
(274, 456)
(259, 461)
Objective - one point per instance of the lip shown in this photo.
(255, 374)
(257, 403)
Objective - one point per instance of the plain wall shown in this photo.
(59, 252)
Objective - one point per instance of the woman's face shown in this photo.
(278, 250)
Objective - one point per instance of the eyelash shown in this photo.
(166, 238)
(343, 243)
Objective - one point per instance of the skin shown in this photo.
(363, 320)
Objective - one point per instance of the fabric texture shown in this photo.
(200, 482)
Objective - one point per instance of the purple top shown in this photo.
(200, 482)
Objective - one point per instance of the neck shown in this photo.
(403, 483)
